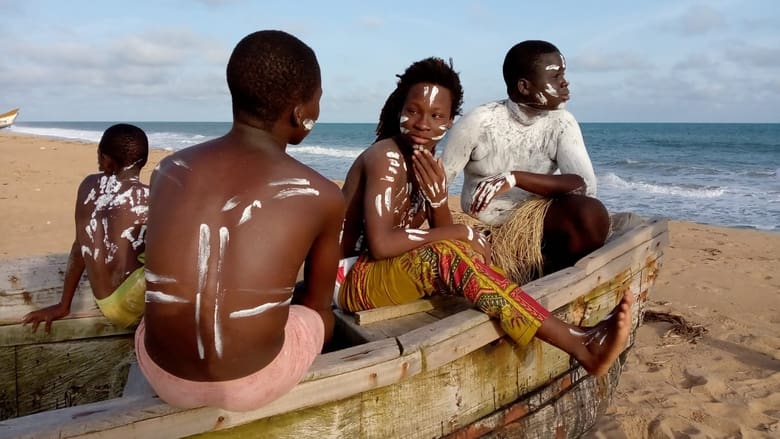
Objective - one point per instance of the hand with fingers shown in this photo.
(489, 188)
(431, 177)
(48, 314)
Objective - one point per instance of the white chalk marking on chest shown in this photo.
(249, 312)
(224, 238)
(247, 214)
(230, 204)
(287, 193)
(393, 154)
(160, 297)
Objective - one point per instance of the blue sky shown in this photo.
(164, 60)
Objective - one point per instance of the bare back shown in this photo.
(230, 226)
(111, 216)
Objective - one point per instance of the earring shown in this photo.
(308, 124)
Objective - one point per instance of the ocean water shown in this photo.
(720, 174)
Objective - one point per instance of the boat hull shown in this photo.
(453, 374)
(7, 119)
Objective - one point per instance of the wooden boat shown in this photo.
(433, 368)
(8, 118)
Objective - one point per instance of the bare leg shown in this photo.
(574, 226)
(597, 347)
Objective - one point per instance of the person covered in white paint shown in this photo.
(232, 221)
(111, 212)
(396, 185)
(528, 175)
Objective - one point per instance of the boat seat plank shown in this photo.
(68, 329)
(393, 321)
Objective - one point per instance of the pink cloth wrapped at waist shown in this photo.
(303, 339)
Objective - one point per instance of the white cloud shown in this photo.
(604, 62)
(700, 19)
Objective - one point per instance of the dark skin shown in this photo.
(415, 176)
(214, 187)
(116, 256)
(387, 235)
(575, 224)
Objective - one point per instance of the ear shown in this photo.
(522, 87)
(296, 116)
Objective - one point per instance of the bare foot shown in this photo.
(605, 341)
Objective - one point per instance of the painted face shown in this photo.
(426, 114)
(547, 86)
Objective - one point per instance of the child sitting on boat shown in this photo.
(396, 185)
(232, 221)
(111, 212)
(539, 221)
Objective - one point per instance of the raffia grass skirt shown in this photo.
(517, 244)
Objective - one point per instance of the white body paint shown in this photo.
(550, 90)
(230, 204)
(180, 162)
(246, 215)
(287, 193)
(378, 204)
(204, 252)
(291, 181)
(249, 312)
(160, 297)
(157, 279)
(503, 136)
(555, 67)
(224, 237)
(434, 92)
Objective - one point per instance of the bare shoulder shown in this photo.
(91, 182)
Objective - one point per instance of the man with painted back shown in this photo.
(233, 220)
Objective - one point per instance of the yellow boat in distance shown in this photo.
(7, 119)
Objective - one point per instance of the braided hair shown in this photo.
(432, 70)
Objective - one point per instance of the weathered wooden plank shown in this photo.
(335, 420)
(61, 330)
(351, 359)
(625, 243)
(33, 273)
(391, 312)
(441, 330)
(56, 375)
(8, 383)
(153, 419)
(553, 297)
(27, 284)
(14, 304)
(567, 407)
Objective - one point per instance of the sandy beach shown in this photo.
(706, 364)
